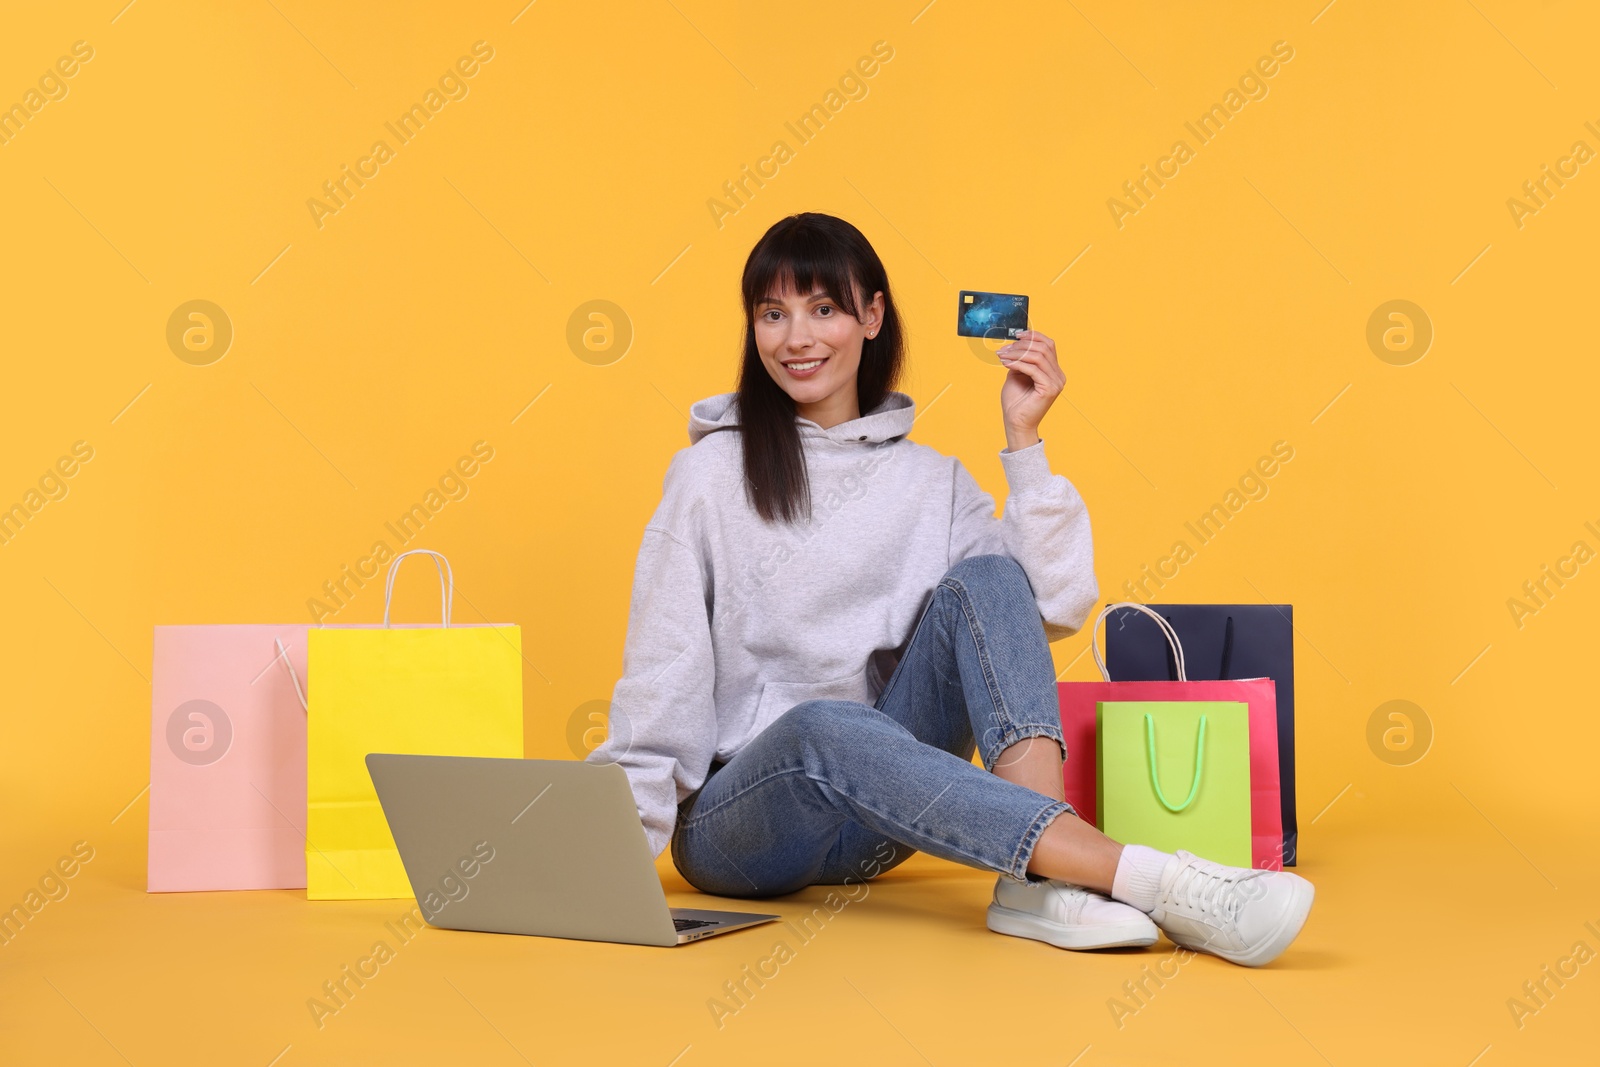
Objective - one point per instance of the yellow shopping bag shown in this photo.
(442, 690)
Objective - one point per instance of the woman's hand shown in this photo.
(1031, 386)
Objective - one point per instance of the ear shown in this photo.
(874, 316)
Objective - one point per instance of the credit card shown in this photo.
(991, 315)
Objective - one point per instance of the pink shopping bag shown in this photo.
(1078, 700)
(228, 758)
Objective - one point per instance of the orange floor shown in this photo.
(1421, 937)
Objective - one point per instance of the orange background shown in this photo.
(433, 310)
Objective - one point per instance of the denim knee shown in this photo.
(816, 723)
(989, 567)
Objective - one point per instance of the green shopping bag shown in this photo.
(1175, 774)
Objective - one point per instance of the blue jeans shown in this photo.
(835, 791)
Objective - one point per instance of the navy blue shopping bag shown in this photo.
(1220, 641)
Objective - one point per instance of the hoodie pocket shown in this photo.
(778, 697)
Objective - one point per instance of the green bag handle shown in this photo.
(1199, 758)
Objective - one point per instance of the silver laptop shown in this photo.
(525, 846)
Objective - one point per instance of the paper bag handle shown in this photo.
(1155, 779)
(299, 690)
(1166, 629)
(447, 583)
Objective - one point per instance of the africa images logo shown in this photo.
(199, 732)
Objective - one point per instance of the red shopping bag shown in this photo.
(1078, 700)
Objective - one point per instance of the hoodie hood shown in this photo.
(887, 421)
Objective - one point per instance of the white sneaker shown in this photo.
(1067, 916)
(1245, 916)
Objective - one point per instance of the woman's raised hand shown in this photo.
(1034, 381)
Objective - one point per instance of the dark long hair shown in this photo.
(807, 251)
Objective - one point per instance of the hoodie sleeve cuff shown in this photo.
(1026, 468)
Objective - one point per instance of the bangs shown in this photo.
(803, 259)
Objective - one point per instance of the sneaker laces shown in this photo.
(1210, 888)
(1073, 896)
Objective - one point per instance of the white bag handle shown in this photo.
(447, 582)
(283, 654)
(1166, 629)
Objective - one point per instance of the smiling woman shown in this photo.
(833, 707)
(812, 338)
(823, 341)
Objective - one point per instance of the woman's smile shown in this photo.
(804, 368)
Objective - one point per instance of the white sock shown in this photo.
(1138, 878)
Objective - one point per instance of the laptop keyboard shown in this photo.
(690, 924)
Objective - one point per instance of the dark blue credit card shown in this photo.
(992, 315)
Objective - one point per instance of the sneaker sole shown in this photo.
(1130, 934)
(1294, 919)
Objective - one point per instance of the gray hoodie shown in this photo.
(733, 620)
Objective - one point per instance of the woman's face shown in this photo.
(793, 332)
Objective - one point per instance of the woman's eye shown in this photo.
(825, 308)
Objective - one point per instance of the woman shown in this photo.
(827, 620)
